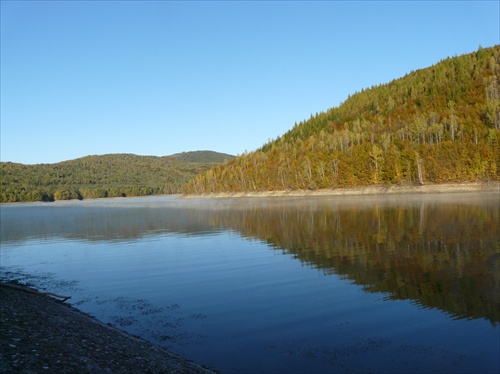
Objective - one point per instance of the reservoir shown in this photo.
(399, 283)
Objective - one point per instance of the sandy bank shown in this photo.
(366, 190)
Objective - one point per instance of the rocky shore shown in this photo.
(40, 334)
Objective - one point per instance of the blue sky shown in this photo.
(162, 77)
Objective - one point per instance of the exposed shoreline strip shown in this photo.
(365, 190)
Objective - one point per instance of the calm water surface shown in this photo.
(363, 284)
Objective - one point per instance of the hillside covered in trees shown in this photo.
(110, 175)
(434, 125)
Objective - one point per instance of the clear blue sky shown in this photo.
(162, 77)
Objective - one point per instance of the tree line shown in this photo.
(113, 175)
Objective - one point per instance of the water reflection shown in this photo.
(118, 221)
(440, 251)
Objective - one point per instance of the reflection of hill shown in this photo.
(94, 223)
(442, 255)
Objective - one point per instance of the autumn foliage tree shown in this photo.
(435, 125)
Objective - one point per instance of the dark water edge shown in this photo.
(373, 353)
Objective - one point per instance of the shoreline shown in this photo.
(39, 333)
(493, 186)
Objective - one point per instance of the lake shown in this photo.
(400, 283)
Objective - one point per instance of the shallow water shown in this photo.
(380, 284)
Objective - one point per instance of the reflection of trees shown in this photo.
(444, 256)
(95, 223)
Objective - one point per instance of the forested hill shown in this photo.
(434, 125)
(202, 157)
(103, 176)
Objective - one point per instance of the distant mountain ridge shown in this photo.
(440, 124)
(202, 156)
(109, 175)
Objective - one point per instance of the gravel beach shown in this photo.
(39, 333)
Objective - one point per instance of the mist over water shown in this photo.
(330, 284)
